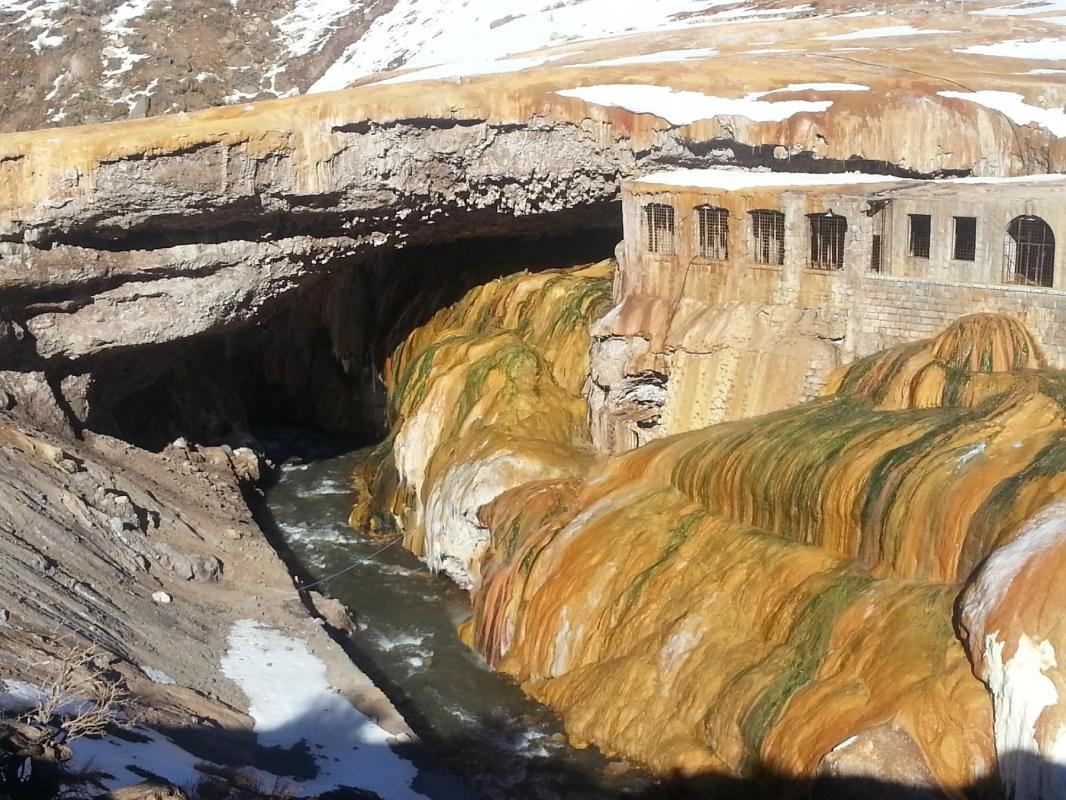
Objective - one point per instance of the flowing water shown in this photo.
(476, 722)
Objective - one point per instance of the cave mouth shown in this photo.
(314, 360)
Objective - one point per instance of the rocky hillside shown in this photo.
(156, 561)
(66, 63)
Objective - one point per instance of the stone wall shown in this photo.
(693, 342)
(891, 310)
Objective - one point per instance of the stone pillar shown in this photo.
(794, 207)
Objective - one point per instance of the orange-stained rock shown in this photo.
(766, 595)
(1011, 617)
(663, 366)
(690, 643)
(484, 397)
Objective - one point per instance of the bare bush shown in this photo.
(80, 695)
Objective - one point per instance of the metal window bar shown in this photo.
(965, 246)
(921, 225)
(713, 232)
(1029, 256)
(828, 232)
(659, 228)
(768, 237)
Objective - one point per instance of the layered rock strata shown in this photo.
(152, 558)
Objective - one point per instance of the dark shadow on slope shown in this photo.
(358, 768)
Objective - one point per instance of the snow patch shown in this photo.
(110, 755)
(237, 96)
(469, 68)
(157, 675)
(125, 57)
(37, 15)
(56, 84)
(44, 39)
(116, 27)
(416, 33)
(730, 179)
(1013, 106)
(1053, 49)
(292, 702)
(305, 29)
(20, 696)
(681, 107)
(118, 758)
(116, 23)
(814, 87)
(750, 13)
(137, 95)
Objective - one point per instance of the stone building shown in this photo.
(738, 292)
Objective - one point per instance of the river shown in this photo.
(476, 723)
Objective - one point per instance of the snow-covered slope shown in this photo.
(465, 36)
(63, 63)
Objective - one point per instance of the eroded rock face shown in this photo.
(85, 299)
(1015, 643)
(118, 239)
(661, 366)
(779, 593)
(483, 398)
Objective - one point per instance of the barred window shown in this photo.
(767, 237)
(965, 248)
(1030, 252)
(659, 228)
(921, 227)
(828, 232)
(713, 232)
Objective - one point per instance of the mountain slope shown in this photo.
(64, 64)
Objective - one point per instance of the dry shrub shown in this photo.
(81, 694)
